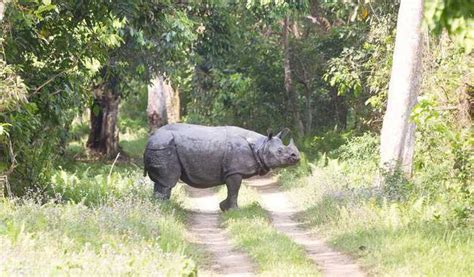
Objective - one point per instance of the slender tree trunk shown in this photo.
(465, 110)
(292, 97)
(316, 16)
(398, 133)
(104, 135)
(308, 111)
(340, 109)
(2, 9)
(172, 103)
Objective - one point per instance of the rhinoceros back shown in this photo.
(201, 151)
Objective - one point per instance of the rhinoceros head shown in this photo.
(276, 154)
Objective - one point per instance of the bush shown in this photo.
(397, 230)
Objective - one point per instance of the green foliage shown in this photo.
(364, 147)
(54, 54)
(12, 87)
(327, 141)
(133, 111)
(457, 17)
(135, 146)
(228, 85)
(362, 71)
(338, 69)
(157, 38)
(90, 189)
(443, 162)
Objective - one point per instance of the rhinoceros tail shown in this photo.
(145, 170)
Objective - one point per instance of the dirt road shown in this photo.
(227, 260)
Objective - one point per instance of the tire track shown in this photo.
(204, 227)
(282, 212)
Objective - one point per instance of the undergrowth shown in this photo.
(96, 218)
(406, 227)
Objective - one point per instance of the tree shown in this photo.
(291, 93)
(157, 38)
(2, 10)
(163, 104)
(55, 56)
(104, 135)
(397, 136)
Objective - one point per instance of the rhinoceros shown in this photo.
(204, 157)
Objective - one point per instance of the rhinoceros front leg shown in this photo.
(161, 192)
(233, 186)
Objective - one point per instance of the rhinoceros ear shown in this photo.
(269, 133)
(292, 142)
(282, 134)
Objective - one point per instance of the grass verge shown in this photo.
(391, 238)
(96, 219)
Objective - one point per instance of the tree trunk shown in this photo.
(156, 104)
(172, 103)
(292, 97)
(2, 9)
(398, 133)
(308, 111)
(317, 18)
(340, 109)
(163, 104)
(104, 135)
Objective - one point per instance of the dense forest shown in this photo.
(378, 96)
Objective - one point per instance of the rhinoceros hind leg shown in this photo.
(233, 183)
(164, 170)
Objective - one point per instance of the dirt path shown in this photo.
(282, 212)
(205, 229)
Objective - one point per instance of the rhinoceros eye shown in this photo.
(280, 150)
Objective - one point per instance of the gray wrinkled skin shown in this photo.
(204, 157)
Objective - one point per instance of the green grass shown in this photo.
(251, 230)
(387, 237)
(134, 143)
(96, 219)
(127, 235)
(418, 249)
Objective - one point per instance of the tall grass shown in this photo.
(95, 218)
(409, 235)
